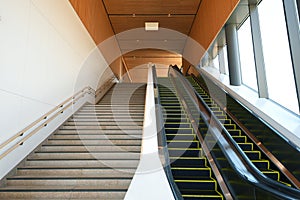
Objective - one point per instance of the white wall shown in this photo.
(46, 55)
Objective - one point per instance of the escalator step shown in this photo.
(230, 126)
(246, 146)
(178, 152)
(261, 164)
(196, 184)
(188, 162)
(176, 125)
(272, 174)
(253, 155)
(179, 131)
(191, 173)
(201, 194)
(177, 120)
(240, 139)
(234, 132)
(189, 137)
(183, 144)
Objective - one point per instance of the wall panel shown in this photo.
(93, 15)
(210, 19)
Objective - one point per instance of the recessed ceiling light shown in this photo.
(169, 15)
(133, 15)
(151, 26)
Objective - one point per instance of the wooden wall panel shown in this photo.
(211, 17)
(180, 23)
(94, 17)
(152, 6)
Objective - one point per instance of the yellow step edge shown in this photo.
(191, 168)
(203, 195)
(262, 161)
(189, 158)
(194, 149)
(247, 144)
(183, 141)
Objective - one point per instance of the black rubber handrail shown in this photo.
(263, 182)
(259, 144)
(253, 113)
(162, 140)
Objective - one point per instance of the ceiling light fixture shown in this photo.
(151, 26)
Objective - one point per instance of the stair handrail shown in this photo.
(266, 183)
(107, 84)
(44, 120)
(162, 140)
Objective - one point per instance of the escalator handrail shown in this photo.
(271, 185)
(267, 153)
(162, 140)
(254, 114)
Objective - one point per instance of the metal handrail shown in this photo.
(45, 119)
(162, 143)
(105, 85)
(267, 183)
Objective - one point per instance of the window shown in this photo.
(280, 75)
(249, 77)
(226, 60)
(216, 62)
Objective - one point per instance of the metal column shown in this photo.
(292, 21)
(234, 63)
(258, 53)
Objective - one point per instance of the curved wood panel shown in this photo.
(210, 19)
(151, 6)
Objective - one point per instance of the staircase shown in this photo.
(94, 155)
(189, 166)
(257, 157)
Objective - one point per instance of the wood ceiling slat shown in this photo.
(151, 6)
(178, 23)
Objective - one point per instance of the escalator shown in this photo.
(256, 156)
(196, 122)
(189, 166)
(280, 153)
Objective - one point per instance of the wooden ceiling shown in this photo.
(128, 17)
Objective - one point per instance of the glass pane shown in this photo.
(226, 60)
(216, 62)
(247, 56)
(280, 75)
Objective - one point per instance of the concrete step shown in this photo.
(98, 172)
(95, 123)
(85, 156)
(59, 192)
(101, 183)
(111, 110)
(93, 142)
(108, 119)
(100, 132)
(110, 114)
(84, 163)
(102, 127)
(96, 137)
(101, 119)
(90, 148)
